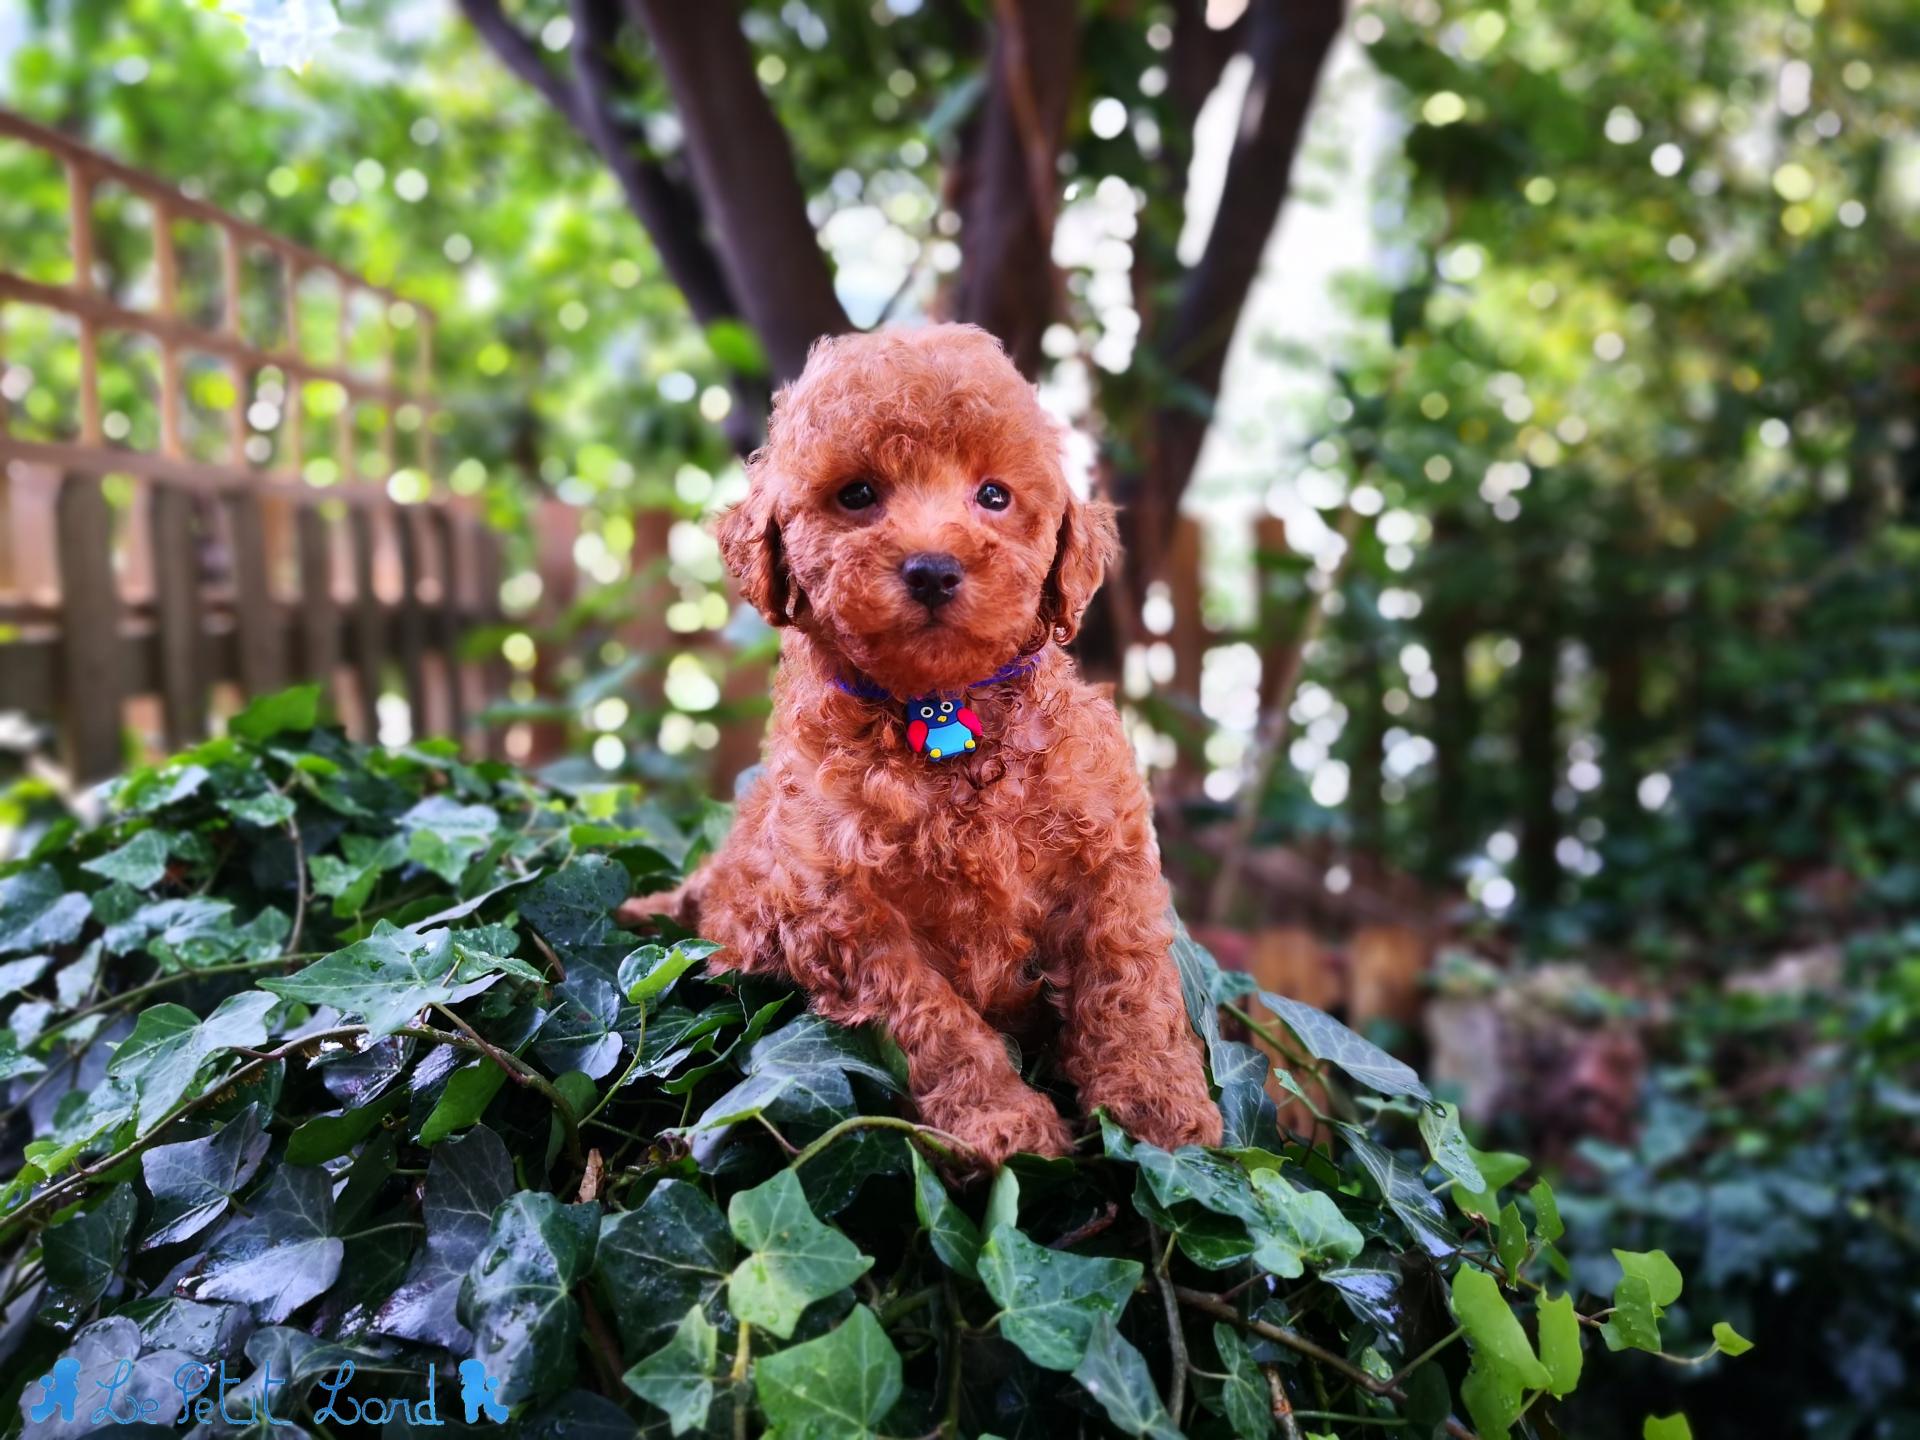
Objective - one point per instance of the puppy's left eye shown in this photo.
(857, 496)
(993, 496)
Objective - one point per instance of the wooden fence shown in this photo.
(143, 587)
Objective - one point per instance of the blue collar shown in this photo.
(864, 689)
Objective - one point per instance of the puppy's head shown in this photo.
(909, 511)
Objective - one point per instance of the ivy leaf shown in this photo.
(572, 910)
(1667, 1427)
(1115, 1373)
(140, 863)
(470, 1089)
(841, 1385)
(1003, 1201)
(1729, 1340)
(1510, 1241)
(1238, 1071)
(388, 978)
(1298, 1225)
(653, 1262)
(678, 1377)
(297, 708)
(1440, 1128)
(794, 1259)
(579, 1034)
(798, 1074)
(268, 809)
(650, 971)
(12, 1062)
(467, 1180)
(1405, 1192)
(17, 975)
(444, 835)
(1371, 1292)
(1049, 1299)
(192, 1182)
(83, 1252)
(349, 882)
(283, 1254)
(517, 1297)
(169, 1044)
(38, 912)
(955, 1238)
(1497, 1168)
(1325, 1038)
(1429, 1402)
(1559, 1342)
(1499, 1344)
(1546, 1213)
(1493, 1398)
(1635, 1322)
(1243, 1394)
(1187, 1174)
(1663, 1278)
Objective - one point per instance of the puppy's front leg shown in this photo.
(1126, 1041)
(858, 971)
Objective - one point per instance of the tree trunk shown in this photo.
(1007, 282)
(743, 166)
(1287, 41)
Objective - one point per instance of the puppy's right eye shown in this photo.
(857, 496)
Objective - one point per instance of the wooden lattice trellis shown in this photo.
(231, 569)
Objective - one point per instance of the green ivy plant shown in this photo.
(328, 1069)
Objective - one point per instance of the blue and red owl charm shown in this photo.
(941, 729)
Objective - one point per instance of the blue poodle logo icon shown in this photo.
(476, 1393)
(59, 1392)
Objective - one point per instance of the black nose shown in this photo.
(932, 578)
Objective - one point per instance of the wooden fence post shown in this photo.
(444, 531)
(178, 610)
(410, 621)
(1385, 964)
(92, 682)
(369, 624)
(319, 616)
(494, 671)
(256, 623)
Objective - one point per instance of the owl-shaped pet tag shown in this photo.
(940, 729)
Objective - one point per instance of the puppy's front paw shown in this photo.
(1162, 1117)
(1015, 1121)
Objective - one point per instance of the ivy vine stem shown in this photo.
(51, 1199)
(742, 1355)
(948, 1147)
(1400, 1376)
(1176, 1340)
(1213, 1305)
(518, 1071)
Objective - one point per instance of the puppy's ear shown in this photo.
(749, 537)
(1088, 542)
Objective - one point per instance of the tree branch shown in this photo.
(668, 209)
(743, 167)
(1287, 41)
(520, 55)
(1007, 281)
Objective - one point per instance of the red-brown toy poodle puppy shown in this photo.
(950, 834)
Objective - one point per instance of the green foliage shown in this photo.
(395, 1139)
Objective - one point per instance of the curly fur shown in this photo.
(953, 901)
